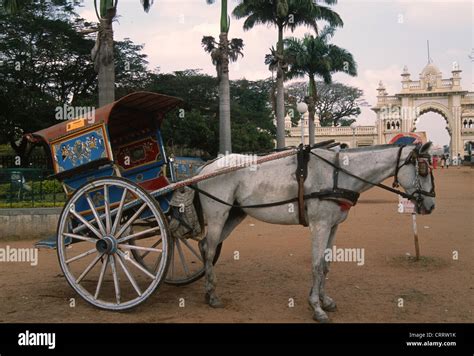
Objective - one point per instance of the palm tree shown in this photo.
(222, 53)
(284, 14)
(315, 56)
(103, 51)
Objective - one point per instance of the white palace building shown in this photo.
(400, 112)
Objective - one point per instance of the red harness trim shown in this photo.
(345, 206)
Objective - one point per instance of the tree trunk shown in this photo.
(225, 140)
(103, 56)
(311, 101)
(280, 97)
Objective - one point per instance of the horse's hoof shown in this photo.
(321, 318)
(329, 306)
(214, 302)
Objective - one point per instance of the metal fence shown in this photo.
(29, 187)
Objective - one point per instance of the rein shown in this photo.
(340, 193)
(380, 185)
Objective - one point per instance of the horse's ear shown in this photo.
(426, 147)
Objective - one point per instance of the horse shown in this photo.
(229, 198)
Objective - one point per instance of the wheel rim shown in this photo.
(98, 265)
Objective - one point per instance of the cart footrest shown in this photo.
(51, 242)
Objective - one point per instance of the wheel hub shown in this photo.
(107, 245)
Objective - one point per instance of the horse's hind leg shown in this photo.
(327, 303)
(320, 233)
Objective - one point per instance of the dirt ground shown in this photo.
(275, 265)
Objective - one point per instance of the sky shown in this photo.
(382, 35)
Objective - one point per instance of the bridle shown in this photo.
(422, 169)
(422, 162)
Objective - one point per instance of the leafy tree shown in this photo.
(337, 104)
(196, 126)
(45, 63)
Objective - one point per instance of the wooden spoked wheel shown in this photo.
(99, 264)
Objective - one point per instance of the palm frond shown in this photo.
(236, 46)
(208, 43)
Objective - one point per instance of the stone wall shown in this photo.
(28, 223)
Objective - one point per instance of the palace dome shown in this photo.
(430, 68)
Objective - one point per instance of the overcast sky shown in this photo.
(382, 35)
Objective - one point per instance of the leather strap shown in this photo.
(302, 157)
(335, 175)
(395, 183)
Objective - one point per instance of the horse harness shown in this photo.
(344, 197)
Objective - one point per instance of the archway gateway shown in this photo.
(431, 93)
(399, 113)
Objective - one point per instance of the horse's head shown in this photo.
(416, 177)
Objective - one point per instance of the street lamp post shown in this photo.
(354, 128)
(302, 109)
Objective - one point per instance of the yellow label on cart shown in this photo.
(75, 124)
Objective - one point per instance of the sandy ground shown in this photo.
(275, 265)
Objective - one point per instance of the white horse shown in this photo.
(275, 181)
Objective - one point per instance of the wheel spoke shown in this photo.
(119, 211)
(181, 257)
(153, 246)
(101, 277)
(80, 237)
(86, 223)
(116, 279)
(84, 254)
(172, 259)
(129, 276)
(137, 265)
(138, 234)
(108, 218)
(141, 248)
(87, 270)
(188, 245)
(132, 219)
(96, 215)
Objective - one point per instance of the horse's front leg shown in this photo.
(327, 303)
(320, 233)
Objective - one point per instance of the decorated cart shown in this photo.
(126, 226)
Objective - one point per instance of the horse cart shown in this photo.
(128, 224)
